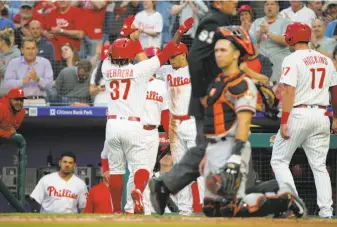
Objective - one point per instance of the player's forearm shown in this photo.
(244, 121)
(151, 33)
(333, 91)
(279, 39)
(256, 76)
(288, 96)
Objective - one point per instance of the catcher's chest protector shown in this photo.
(220, 113)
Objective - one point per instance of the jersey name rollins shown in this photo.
(152, 95)
(311, 60)
(61, 193)
(119, 73)
(177, 81)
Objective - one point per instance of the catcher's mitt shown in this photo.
(269, 100)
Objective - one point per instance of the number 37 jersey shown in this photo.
(127, 86)
(312, 74)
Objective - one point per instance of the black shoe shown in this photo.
(297, 206)
(159, 195)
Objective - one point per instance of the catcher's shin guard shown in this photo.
(211, 207)
(258, 205)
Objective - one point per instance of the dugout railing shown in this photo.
(18, 200)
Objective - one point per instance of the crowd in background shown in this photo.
(52, 49)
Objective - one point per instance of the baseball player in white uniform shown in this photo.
(62, 191)
(155, 113)
(127, 84)
(307, 76)
(182, 132)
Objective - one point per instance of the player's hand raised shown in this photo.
(188, 23)
(284, 131)
(128, 27)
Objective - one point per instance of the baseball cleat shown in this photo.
(158, 195)
(137, 198)
(297, 206)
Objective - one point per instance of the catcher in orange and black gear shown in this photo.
(230, 105)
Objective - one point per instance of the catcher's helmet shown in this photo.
(297, 32)
(122, 49)
(151, 51)
(239, 37)
(180, 49)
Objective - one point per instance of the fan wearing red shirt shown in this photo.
(99, 199)
(93, 15)
(11, 112)
(64, 25)
(25, 16)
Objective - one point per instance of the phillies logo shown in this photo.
(152, 95)
(62, 193)
(178, 81)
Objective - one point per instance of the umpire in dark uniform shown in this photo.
(203, 69)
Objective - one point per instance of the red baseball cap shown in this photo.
(16, 93)
(245, 8)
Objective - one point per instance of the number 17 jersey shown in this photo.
(312, 74)
(127, 86)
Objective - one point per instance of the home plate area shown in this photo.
(39, 220)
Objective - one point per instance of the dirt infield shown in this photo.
(163, 221)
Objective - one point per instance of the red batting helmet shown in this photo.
(239, 37)
(122, 49)
(297, 32)
(151, 51)
(180, 49)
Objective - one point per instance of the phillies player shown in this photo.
(155, 113)
(127, 84)
(307, 76)
(182, 132)
(62, 191)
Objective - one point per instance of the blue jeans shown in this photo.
(88, 47)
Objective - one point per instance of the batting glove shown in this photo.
(127, 29)
(185, 26)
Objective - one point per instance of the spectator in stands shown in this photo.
(316, 6)
(32, 73)
(93, 15)
(70, 57)
(298, 12)
(268, 32)
(97, 84)
(258, 67)
(150, 24)
(186, 9)
(4, 22)
(45, 48)
(246, 16)
(164, 8)
(5, 12)
(72, 84)
(115, 15)
(330, 15)
(99, 199)
(319, 42)
(8, 51)
(64, 25)
(24, 17)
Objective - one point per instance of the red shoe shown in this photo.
(137, 198)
